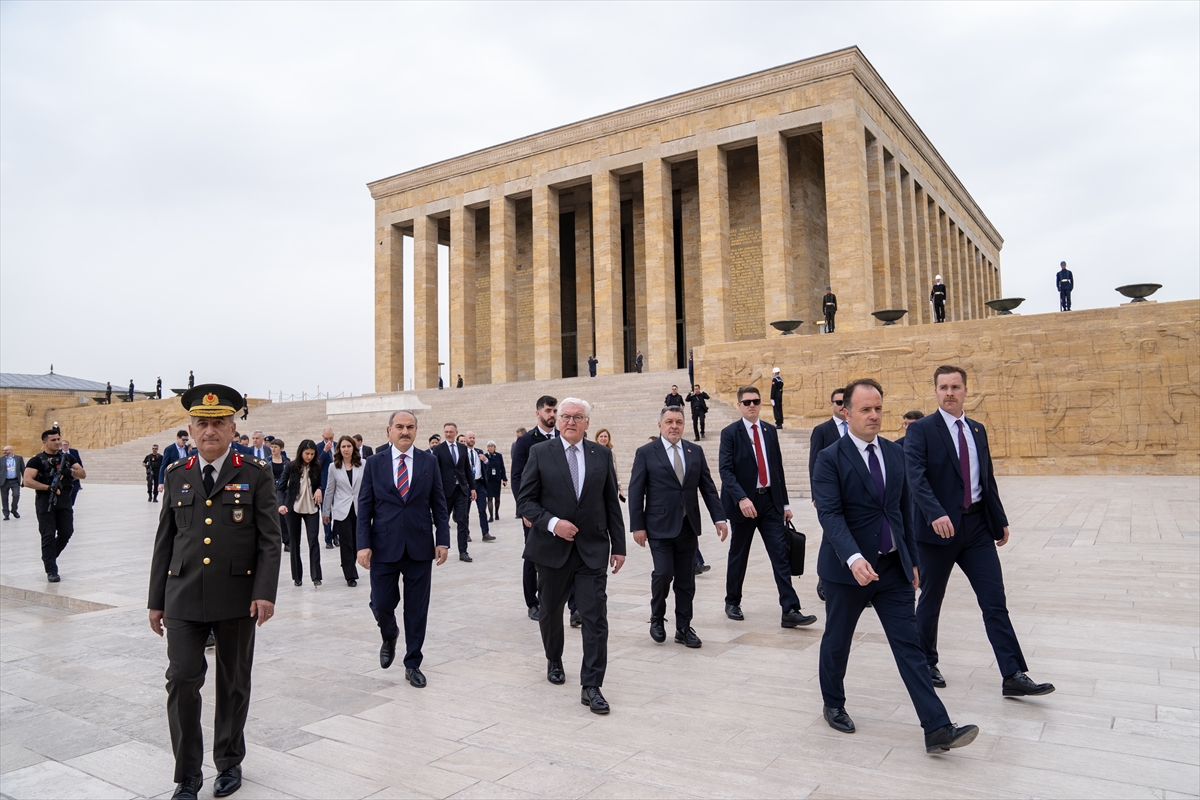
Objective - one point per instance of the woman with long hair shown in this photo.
(605, 438)
(341, 502)
(301, 487)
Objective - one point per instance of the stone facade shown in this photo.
(1113, 390)
(693, 220)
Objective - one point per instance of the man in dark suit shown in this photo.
(866, 556)
(73, 453)
(592, 362)
(569, 495)
(365, 451)
(400, 507)
(174, 452)
(668, 474)
(960, 520)
(777, 397)
(754, 497)
(547, 418)
(325, 450)
(909, 418)
(1065, 282)
(829, 308)
(699, 402)
(458, 485)
(827, 432)
(214, 571)
(477, 465)
(637, 362)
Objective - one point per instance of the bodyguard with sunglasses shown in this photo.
(754, 496)
(827, 433)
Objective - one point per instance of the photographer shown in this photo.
(52, 475)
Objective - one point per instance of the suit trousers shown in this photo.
(459, 503)
(56, 527)
(185, 676)
(1064, 300)
(829, 315)
(674, 560)
(698, 425)
(974, 550)
(892, 598)
(311, 523)
(152, 485)
(529, 583)
(481, 505)
(589, 585)
(769, 524)
(385, 597)
(12, 487)
(348, 542)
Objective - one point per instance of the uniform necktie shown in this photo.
(402, 478)
(208, 479)
(573, 463)
(885, 533)
(758, 455)
(964, 465)
(678, 463)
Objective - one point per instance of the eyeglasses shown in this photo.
(576, 418)
(753, 402)
(837, 402)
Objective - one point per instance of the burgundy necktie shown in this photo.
(964, 465)
(885, 532)
(758, 456)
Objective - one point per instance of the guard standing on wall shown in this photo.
(938, 298)
(829, 306)
(777, 397)
(1065, 283)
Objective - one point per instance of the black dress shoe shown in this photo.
(298, 583)
(555, 674)
(329, 545)
(415, 677)
(796, 619)
(188, 788)
(733, 611)
(839, 720)
(487, 537)
(465, 557)
(15, 514)
(387, 653)
(316, 583)
(657, 632)
(1019, 685)
(590, 696)
(53, 577)
(336, 541)
(950, 736)
(534, 613)
(287, 548)
(352, 583)
(688, 637)
(576, 619)
(228, 781)
(935, 675)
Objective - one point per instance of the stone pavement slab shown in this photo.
(1103, 578)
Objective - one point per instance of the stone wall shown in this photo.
(1113, 390)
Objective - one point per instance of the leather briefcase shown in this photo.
(795, 548)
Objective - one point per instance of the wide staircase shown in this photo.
(627, 405)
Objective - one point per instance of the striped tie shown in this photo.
(402, 479)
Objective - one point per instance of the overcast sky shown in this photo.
(182, 186)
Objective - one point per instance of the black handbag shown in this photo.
(795, 548)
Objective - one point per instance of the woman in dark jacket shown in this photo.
(496, 476)
(279, 464)
(300, 485)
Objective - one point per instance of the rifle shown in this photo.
(63, 479)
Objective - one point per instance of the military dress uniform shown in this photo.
(217, 549)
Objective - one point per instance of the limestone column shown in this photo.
(389, 309)
(606, 249)
(547, 286)
(953, 283)
(881, 272)
(924, 277)
(775, 204)
(502, 231)
(897, 251)
(660, 265)
(639, 330)
(585, 341)
(462, 296)
(849, 222)
(912, 250)
(425, 302)
(714, 244)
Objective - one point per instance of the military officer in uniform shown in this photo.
(829, 305)
(1065, 282)
(937, 296)
(215, 568)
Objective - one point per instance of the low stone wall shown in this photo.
(1106, 391)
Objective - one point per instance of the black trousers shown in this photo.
(939, 312)
(1064, 300)
(554, 586)
(481, 501)
(829, 315)
(494, 490)
(674, 561)
(185, 676)
(698, 424)
(56, 527)
(311, 527)
(892, 598)
(777, 409)
(348, 537)
(529, 583)
(460, 508)
(769, 524)
(385, 597)
(974, 550)
(12, 487)
(152, 486)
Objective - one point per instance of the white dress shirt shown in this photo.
(671, 448)
(842, 426)
(217, 464)
(866, 457)
(972, 449)
(582, 470)
(766, 460)
(396, 455)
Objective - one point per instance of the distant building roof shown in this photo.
(16, 380)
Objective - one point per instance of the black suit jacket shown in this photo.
(392, 526)
(454, 475)
(290, 483)
(937, 487)
(658, 502)
(520, 454)
(823, 435)
(851, 514)
(739, 467)
(546, 492)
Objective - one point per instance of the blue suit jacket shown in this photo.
(851, 514)
(171, 454)
(937, 486)
(392, 527)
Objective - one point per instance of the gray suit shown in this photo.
(12, 486)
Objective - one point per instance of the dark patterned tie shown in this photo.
(573, 463)
(885, 533)
(964, 465)
(208, 479)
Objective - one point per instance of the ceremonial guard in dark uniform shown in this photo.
(938, 297)
(215, 568)
(1065, 282)
(829, 306)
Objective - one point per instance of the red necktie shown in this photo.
(758, 455)
(964, 465)
(402, 479)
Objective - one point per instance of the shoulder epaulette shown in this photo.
(175, 464)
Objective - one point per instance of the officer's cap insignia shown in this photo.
(210, 399)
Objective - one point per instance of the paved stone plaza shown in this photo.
(1102, 575)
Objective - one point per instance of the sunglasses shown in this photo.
(837, 402)
(753, 402)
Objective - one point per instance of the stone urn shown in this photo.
(1005, 305)
(1139, 291)
(787, 326)
(890, 315)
